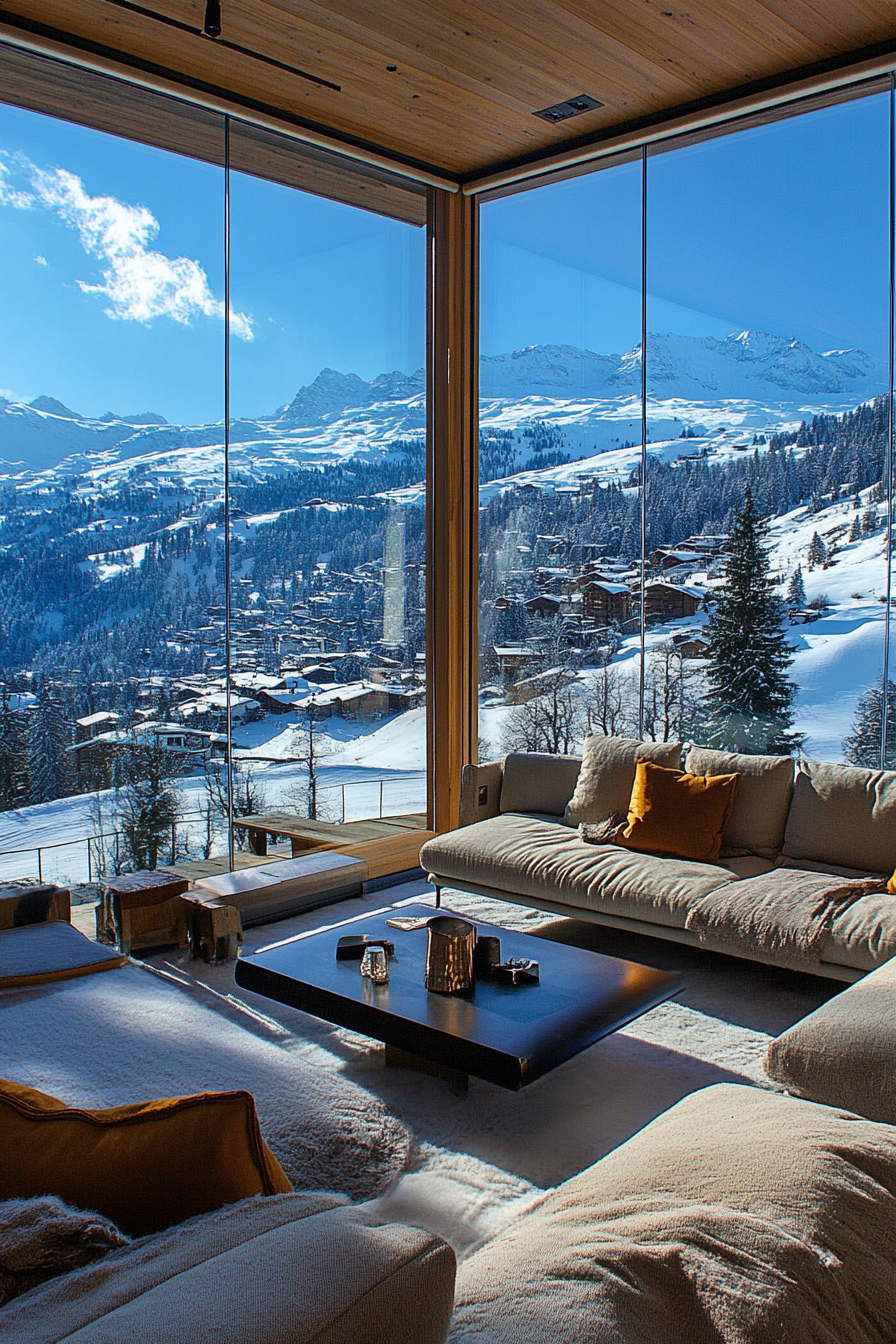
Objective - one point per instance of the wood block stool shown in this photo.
(214, 931)
(139, 910)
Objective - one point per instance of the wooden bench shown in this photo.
(284, 887)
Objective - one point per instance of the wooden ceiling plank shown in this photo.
(489, 57)
(415, 123)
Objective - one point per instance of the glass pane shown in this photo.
(328, 535)
(560, 448)
(111, 341)
(767, 369)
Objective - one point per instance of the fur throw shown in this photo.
(40, 1238)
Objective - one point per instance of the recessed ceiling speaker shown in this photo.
(212, 25)
(573, 107)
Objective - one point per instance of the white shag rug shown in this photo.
(459, 1165)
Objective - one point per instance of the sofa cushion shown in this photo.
(144, 1166)
(843, 815)
(844, 1054)
(863, 935)
(545, 859)
(673, 812)
(759, 814)
(739, 1215)
(608, 774)
(535, 781)
(288, 1270)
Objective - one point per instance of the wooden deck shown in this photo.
(388, 845)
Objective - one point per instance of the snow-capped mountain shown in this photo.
(751, 379)
(749, 364)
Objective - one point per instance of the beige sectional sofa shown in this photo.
(802, 830)
(740, 1216)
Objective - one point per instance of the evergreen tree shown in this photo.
(750, 696)
(10, 753)
(796, 592)
(47, 739)
(149, 804)
(855, 532)
(817, 553)
(862, 745)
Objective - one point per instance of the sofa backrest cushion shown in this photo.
(535, 781)
(843, 815)
(607, 775)
(844, 1054)
(294, 1269)
(759, 815)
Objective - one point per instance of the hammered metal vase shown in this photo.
(449, 954)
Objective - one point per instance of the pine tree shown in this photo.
(149, 804)
(47, 739)
(862, 745)
(855, 533)
(796, 591)
(750, 696)
(817, 553)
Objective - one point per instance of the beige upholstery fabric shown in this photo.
(608, 773)
(544, 858)
(759, 814)
(535, 781)
(843, 815)
(746, 865)
(844, 1054)
(480, 792)
(864, 935)
(283, 1270)
(738, 1217)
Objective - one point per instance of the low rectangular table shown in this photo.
(506, 1035)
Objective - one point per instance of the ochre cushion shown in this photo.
(145, 1166)
(607, 775)
(672, 812)
(891, 885)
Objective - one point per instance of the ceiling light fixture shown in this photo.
(212, 25)
(212, 28)
(573, 107)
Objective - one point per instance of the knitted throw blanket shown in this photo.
(40, 1238)
(786, 913)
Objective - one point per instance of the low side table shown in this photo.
(139, 910)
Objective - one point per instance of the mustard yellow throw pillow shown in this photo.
(146, 1166)
(672, 812)
(891, 885)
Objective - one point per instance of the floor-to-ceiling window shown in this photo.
(212, 456)
(746, 603)
(559, 453)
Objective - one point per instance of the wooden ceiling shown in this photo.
(453, 84)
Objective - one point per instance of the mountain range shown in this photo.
(344, 415)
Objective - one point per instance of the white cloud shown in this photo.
(41, 261)
(139, 282)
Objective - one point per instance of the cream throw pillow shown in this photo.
(608, 774)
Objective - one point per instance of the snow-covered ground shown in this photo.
(365, 771)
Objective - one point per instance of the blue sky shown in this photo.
(111, 263)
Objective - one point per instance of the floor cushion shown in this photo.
(740, 1216)
(39, 953)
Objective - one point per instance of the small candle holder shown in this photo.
(375, 965)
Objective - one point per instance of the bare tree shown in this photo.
(309, 795)
(551, 719)
(608, 702)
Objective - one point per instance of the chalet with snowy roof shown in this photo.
(545, 604)
(604, 601)
(664, 601)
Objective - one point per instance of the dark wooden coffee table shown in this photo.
(506, 1035)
